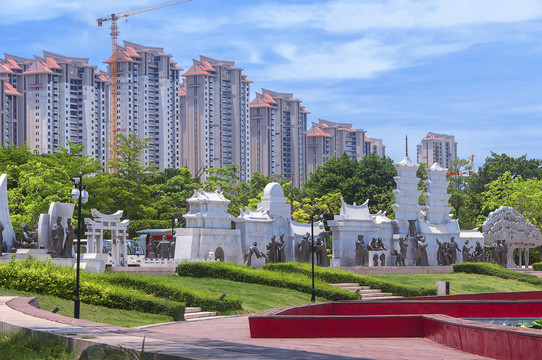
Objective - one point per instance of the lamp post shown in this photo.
(321, 226)
(80, 195)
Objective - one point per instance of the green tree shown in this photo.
(37, 187)
(458, 189)
(169, 191)
(522, 194)
(494, 167)
(369, 178)
(109, 193)
(128, 160)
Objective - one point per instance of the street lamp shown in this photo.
(80, 195)
(321, 226)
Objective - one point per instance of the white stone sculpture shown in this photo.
(509, 225)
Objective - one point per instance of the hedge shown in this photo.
(46, 278)
(158, 286)
(495, 270)
(338, 276)
(234, 272)
(537, 266)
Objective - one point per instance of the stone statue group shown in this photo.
(163, 250)
(61, 239)
(276, 250)
(304, 249)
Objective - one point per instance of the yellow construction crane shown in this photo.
(114, 65)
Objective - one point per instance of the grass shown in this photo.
(256, 298)
(461, 283)
(17, 346)
(101, 314)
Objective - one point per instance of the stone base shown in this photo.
(94, 262)
(378, 253)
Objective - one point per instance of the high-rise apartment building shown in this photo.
(216, 128)
(278, 136)
(148, 102)
(61, 98)
(327, 139)
(374, 146)
(437, 148)
(9, 116)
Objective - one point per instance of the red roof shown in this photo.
(196, 69)
(13, 64)
(121, 56)
(303, 110)
(259, 102)
(269, 99)
(207, 65)
(182, 90)
(316, 131)
(51, 63)
(38, 68)
(10, 90)
(5, 69)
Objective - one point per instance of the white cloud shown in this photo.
(85, 10)
(358, 59)
(350, 16)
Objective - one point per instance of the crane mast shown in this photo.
(114, 63)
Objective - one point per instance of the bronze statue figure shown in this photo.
(465, 252)
(383, 259)
(362, 254)
(68, 243)
(375, 260)
(281, 256)
(248, 255)
(163, 248)
(453, 248)
(272, 253)
(303, 249)
(420, 257)
(397, 257)
(320, 248)
(57, 238)
(151, 248)
(403, 244)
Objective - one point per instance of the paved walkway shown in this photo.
(221, 338)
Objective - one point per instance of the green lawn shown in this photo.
(461, 283)
(16, 346)
(256, 298)
(101, 314)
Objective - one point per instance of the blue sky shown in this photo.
(470, 68)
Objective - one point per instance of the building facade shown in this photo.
(278, 136)
(327, 139)
(374, 146)
(55, 99)
(9, 116)
(216, 126)
(148, 102)
(437, 148)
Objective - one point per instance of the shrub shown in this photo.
(46, 278)
(234, 272)
(338, 276)
(537, 266)
(495, 270)
(158, 286)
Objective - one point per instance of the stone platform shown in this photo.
(220, 338)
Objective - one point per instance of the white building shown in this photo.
(148, 102)
(61, 99)
(216, 127)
